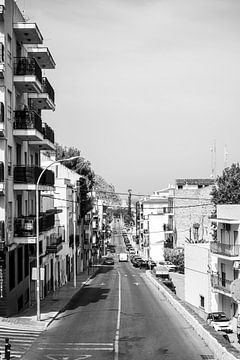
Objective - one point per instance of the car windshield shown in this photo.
(220, 317)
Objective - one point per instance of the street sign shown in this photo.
(235, 290)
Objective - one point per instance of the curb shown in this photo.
(209, 335)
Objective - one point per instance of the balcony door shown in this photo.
(19, 154)
(19, 205)
(223, 274)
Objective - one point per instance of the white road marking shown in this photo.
(125, 275)
(136, 283)
(116, 342)
(63, 357)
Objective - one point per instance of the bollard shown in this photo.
(7, 349)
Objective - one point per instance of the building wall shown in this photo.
(197, 275)
(157, 236)
(192, 205)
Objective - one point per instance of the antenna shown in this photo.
(225, 157)
(213, 160)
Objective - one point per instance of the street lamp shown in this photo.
(74, 231)
(37, 231)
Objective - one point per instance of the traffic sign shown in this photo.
(235, 290)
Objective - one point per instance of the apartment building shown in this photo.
(192, 208)
(25, 94)
(225, 257)
(153, 224)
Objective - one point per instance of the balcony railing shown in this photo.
(27, 119)
(221, 283)
(30, 175)
(47, 88)
(54, 243)
(27, 66)
(1, 171)
(48, 133)
(225, 249)
(25, 226)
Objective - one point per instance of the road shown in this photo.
(119, 316)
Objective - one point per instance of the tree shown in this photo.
(227, 187)
(82, 167)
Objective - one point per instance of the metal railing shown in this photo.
(221, 283)
(27, 119)
(47, 88)
(225, 249)
(30, 175)
(48, 133)
(25, 226)
(27, 66)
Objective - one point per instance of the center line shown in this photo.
(116, 342)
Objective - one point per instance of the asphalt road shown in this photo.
(119, 316)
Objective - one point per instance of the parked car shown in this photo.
(151, 264)
(169, 265)
(108, 261)
(123, 257)
(169, 283)
(131, 251)
(219, 321)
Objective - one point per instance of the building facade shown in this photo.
(25, 94)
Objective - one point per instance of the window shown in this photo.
(235, 234)
(31, 160)
(202, 301)
(9, 160)
(9, 50)
(26, 207)
(9, 105)
(10, 216)
(25, 158)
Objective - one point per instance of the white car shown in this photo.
(219, 321)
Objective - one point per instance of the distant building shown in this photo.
(192, 208)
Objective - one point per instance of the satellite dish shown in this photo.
(235, 290)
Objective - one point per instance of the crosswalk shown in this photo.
(20, 339)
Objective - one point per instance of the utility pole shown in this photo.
(74, 238)
(129, 203)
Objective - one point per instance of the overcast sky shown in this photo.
(144, 87)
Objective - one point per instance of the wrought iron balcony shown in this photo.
(54, 243)
(225, 249)
(25, 226)
(47, 88)
(30, 175)
(27, 125)
(27, 66)
(221, 284)
(48, 133)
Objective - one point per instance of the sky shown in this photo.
(144, 88)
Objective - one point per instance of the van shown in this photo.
(123, 257)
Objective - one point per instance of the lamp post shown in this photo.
(74, 229)
(37, 231)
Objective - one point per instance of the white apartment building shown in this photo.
(25, 94)
(153, 219)
(225, 256)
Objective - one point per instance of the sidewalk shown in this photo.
(50, 306)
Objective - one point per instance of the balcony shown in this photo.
(27, 125)
(54, 243)
(225, 249)
(28, 33)
(45, 99)
(27, 75)
(2, 12)
(47, 141)
(2, 183)
(42, 55)
(25, 227)
(221, 285)
(25, 178)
